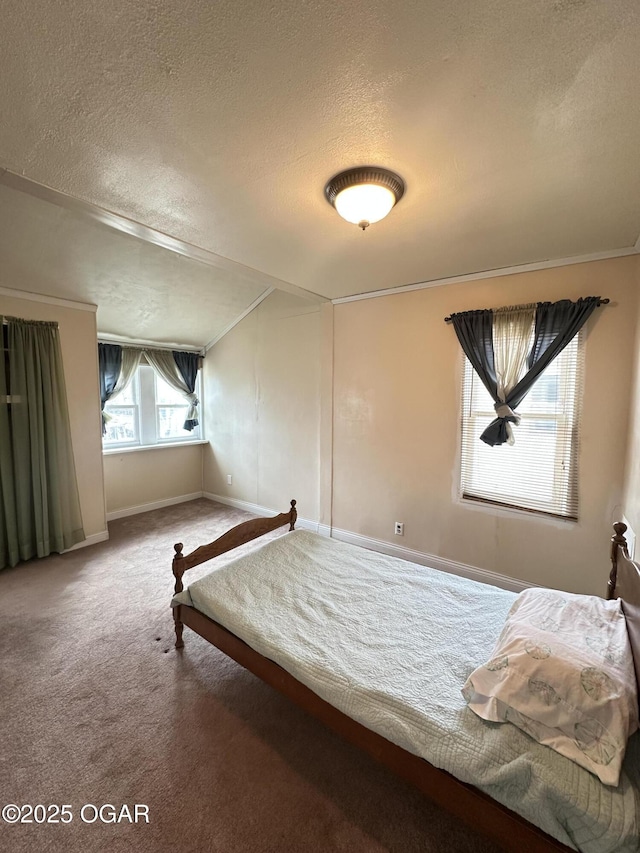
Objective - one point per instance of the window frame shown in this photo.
(109, 445)
(146, 416)
(570, 441)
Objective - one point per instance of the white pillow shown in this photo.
(562, 671)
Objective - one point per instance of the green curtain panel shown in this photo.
(40, 507)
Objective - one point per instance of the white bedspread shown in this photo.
(390, 644)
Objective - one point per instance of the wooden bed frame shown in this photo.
(481, 812)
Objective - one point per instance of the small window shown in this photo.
(171, 411)
(124, 412)
(539, 471)
(148, 412)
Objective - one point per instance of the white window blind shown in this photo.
(538, 472)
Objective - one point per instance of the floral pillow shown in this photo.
(562, 671)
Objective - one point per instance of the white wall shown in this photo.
(397, 371)
(144, 478)
(262, 416)
(360, 404)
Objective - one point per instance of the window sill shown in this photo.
(116, 451)
(495, 508)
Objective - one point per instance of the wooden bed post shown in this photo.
(178, 570)
(244, 532)
(616, 540)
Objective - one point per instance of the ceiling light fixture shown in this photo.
(365, 194)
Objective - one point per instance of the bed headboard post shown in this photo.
(242, 533)
(178, 567)
(616, 540)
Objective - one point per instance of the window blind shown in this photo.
(540, 471)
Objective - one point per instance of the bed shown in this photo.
(367, 679)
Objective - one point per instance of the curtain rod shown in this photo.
(600, 302)
(24, 320)
(143, 347)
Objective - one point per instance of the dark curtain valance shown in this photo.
(556, 324)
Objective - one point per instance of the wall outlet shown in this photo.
(399, 528)
(229, 480)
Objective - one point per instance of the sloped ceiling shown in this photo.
(514, 124)
(142, 291)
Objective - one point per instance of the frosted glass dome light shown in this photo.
(364, 195)
(364, 203)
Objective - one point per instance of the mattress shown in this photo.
(390, 643)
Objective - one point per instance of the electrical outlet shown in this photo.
(229, 480)
(399, 529)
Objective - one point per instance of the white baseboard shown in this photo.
(430, 560)
(134, 510)
(433, 562)
(256, 509)
(90, 540)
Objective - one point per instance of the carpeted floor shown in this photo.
(97, 707)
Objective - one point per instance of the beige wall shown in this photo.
(384, 446)
(151, 475)
(632, 481)
(262, 414)
(397, 369)
(78, 340)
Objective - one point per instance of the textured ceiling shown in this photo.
(141, 290)
(514, 124)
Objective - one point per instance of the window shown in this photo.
(539, 471)
(148, 412)
(124, 426)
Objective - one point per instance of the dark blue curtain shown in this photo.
(475, 333)
(187, 364)
(556, 324)
(109, 364)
